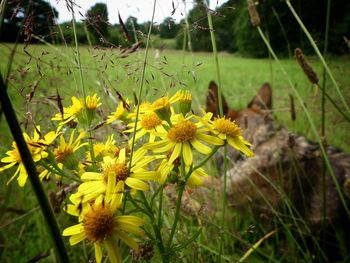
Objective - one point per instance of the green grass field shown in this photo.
(54, 68)
(44, 70)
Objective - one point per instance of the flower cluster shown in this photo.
(166, 143)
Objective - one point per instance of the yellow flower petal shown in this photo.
(126, 239)
(22, 178)
(194, 180)
(117, 197)
(131, 229)
(187, 153)
(176, 152)
(73, 230)
(76, 239)
(7, 166)
(200, 147)
(147, 175)
(238, 144)
(113, 251)
(15, 174)
(91, 176)
(136, 184)
(210, 139)
(155, 145)
(98, 252)
(137, 221)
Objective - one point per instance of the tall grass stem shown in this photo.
(313, 44)
(82, 86)
(323, 109)
(218, 76)
(32, 172)
(3, 5)
(139, 97)
(312, 125)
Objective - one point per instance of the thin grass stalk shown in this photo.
(221, 113)
(87, 34)
(82, 85)
(283, 31)
(13, 51)
(292, 210)
(312, 125)
(32, 172)
(187, 30)
(139, 97)
(134, 30)
(3, 5)
(323, 109)
(215, 52)
(312, 42)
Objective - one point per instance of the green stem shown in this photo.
(221, 113)
(308, 35)
(216, 148)
(224, 201)
(3, 5)
(156, 228)
(82, 85)
(213, 42)
(312, 125)
(160, 207)
(29, 164)
(335, 105)
(141, 84)
(177, 214)
(323, 110)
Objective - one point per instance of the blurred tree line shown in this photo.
(233, 30)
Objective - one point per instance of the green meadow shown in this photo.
(39, 72)
(48, 69)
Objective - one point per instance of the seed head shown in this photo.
(306, 67)
(253, 13)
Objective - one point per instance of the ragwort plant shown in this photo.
(111, 197)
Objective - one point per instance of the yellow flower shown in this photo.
(37, 148)
(181, 137)
(194, 180)
(149, 123)
(185, 101)
(100, 225)
(104, 149)
(64, 153)
(162, 106)
(76, 110)
(121, 113)
(95, 183)
(71, 112)
(196, 177)
(228, 130)
(92, 102)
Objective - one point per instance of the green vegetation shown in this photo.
(45, 69)
(110, 64)
(105, 70)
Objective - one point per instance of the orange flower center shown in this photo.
(182, 132)
(150, 121)
(119, 169)
(61, 154)
(98, 223)
(16, 154)
(227, 127)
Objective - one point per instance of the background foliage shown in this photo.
(231, 24)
